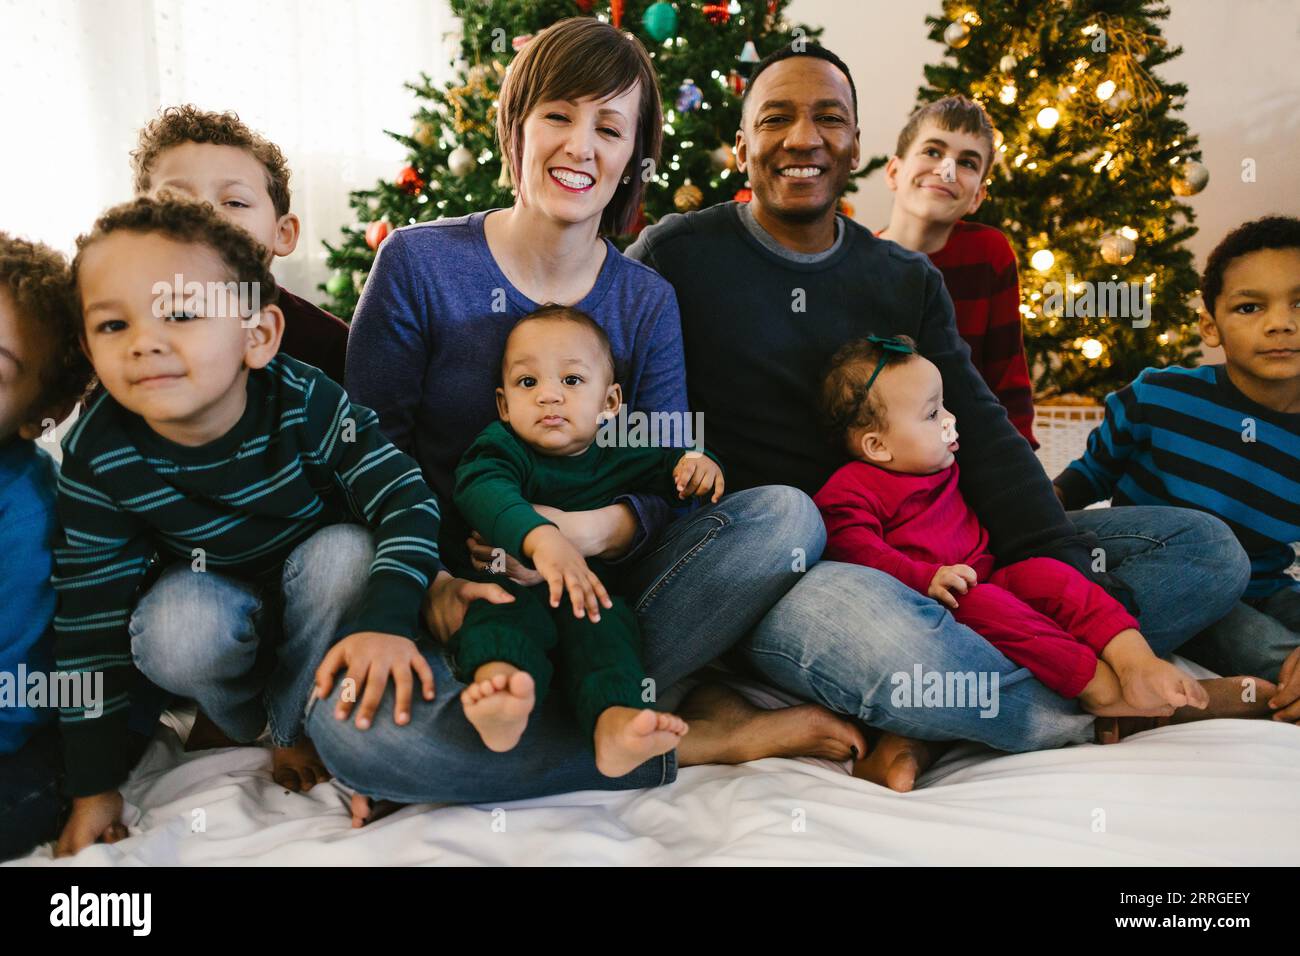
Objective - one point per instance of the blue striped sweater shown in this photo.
(301, 457)
(1190, 438)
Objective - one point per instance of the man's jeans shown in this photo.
(714, 574)
(849, 637)
(1253, 639)
(204, 635)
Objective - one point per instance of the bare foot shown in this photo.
(727, 729)
(298, 768)
(1239, 697)
(498, 704)
(364, 810)
(896, 761)
(627, 737)
(1158, 688)
(205, 735)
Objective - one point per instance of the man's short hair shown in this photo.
(804, 48)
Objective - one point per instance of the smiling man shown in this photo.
(768, 292)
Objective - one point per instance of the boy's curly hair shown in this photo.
(40, 282)
(956, 114)
(846, 402)
(1270, 232)
(189, 124)
(184, 221)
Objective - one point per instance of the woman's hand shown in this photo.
(371, 659)
(448, 598)
(93, 818)
(606, 533)
(482, 554)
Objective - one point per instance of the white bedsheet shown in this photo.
(1217, 792)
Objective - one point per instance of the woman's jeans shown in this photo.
(713, 575)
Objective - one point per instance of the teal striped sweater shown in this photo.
(300, 458)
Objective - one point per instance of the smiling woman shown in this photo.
(579, 118)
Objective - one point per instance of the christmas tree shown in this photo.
(703, 53)
(1091, 159)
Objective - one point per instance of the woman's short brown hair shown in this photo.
(575, 58)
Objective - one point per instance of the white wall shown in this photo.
(1239, 62)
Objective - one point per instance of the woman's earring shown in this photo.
(627, 179)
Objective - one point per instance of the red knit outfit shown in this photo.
(1042, 614)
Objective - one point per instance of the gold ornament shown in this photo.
(724, 157)
(957, 34)
(1191, 179)
(461, 161)
(477, 86)
(1116, 249)
(688, 197)
(425, 135)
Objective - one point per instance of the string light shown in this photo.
(1105, 90)
(1048, 117)
(1042, 260)
(1008, 95)
(1091, 349)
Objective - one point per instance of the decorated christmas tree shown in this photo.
(703, 53)
(1091, 161)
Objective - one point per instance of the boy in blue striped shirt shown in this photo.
(229, 516)
(1225, 439)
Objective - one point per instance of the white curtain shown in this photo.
(320, 78)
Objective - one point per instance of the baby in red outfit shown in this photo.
(897, 508)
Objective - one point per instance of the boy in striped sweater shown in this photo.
(228, 515)
(937, 175)
(1225, 439)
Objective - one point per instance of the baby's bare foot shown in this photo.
(626, 738)
(498, 704)
(298, 768)
(1156, 688)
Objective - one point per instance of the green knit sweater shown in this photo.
(300, 458)
(500, 478)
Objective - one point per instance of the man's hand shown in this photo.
(950, 578)
(698, 475)
(1286, 702)
(94, 818)
(482, 554)
(371, 658)
(448, 598)
(565, 569)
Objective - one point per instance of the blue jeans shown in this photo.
(246, 655)
(852, 637)
(1253, 639)
(713, 575)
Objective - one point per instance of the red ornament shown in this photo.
(736, 82)
(585, 5)
(846, 208)
(744, 194)
(717, 13)
(616, 12)
(409, 181)
(377, 232)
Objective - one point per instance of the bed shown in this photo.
(1221, 792)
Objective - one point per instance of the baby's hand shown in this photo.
(697, 475)
(93, 818)
(565, 569)
(949, 578)
(371, 658)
